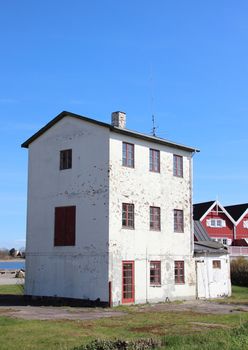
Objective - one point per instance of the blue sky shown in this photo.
(186, 62)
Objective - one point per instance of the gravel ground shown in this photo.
(85, 313)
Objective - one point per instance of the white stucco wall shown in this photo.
(144, 189)
(213, 282)
(80, 271)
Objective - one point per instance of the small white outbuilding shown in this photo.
(212, 263)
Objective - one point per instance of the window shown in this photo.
(127, 215)
(245, 224)
(224, 241)
(155, 218)
(155, 273)
(128, 154)
(216, 223)
(216, 264)
(178, 220)
(64, 228)
(179, 272)
(177, 165)
(154, 160)
(65, 159)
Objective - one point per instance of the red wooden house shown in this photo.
(216, 220)
(239, 213)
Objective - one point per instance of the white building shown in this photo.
(212, 266)
(109, 213)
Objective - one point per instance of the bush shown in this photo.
(140, 344)
(239, 272)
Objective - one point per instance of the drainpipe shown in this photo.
(146, 277)
(191, 207)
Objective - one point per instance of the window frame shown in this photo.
(178, 226)
(154, 160)
(125, 154)
(179, 272)
(153, 217)
(157, 273)
(177, 165)
(128, 215)
(65, 161)
(216, 264)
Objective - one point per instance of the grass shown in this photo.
(234, 339)
(179, 330)
(239, 296)
(13, 289)
(180, 326)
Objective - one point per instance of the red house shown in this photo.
(239, 213)
(216, 220)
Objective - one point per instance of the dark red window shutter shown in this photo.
(65, 226)
(70, 225)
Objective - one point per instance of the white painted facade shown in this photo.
(213, 282)
(98, 184)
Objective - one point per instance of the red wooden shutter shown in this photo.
(59, 229)
(65, 225)
(70, 225)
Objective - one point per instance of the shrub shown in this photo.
(239, 272)
(140, 344)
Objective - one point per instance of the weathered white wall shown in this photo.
(213, 283)
(80, 271)
(144, 189)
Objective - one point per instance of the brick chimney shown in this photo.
(119, 119)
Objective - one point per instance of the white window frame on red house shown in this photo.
(245, 223)
(217, 223)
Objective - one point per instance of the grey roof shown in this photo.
(204, 243)
(209, 247)
(112, 128)
(200, 232)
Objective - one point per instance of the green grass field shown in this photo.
(12, 289)
(179, 330)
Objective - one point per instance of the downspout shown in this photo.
(191, 206)
(146, 278)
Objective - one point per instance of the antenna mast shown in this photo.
(153, 126)
(152, 104)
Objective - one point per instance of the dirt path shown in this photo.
(83, 313)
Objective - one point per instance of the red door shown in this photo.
(127, 282)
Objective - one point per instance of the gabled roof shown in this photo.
(201, 208)
(237, 211)
(110, 127)
(200, 233)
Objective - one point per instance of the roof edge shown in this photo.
(61, 115)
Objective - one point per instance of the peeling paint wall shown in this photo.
(80, 271)
(143, 188)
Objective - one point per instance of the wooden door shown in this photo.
(127, 282)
